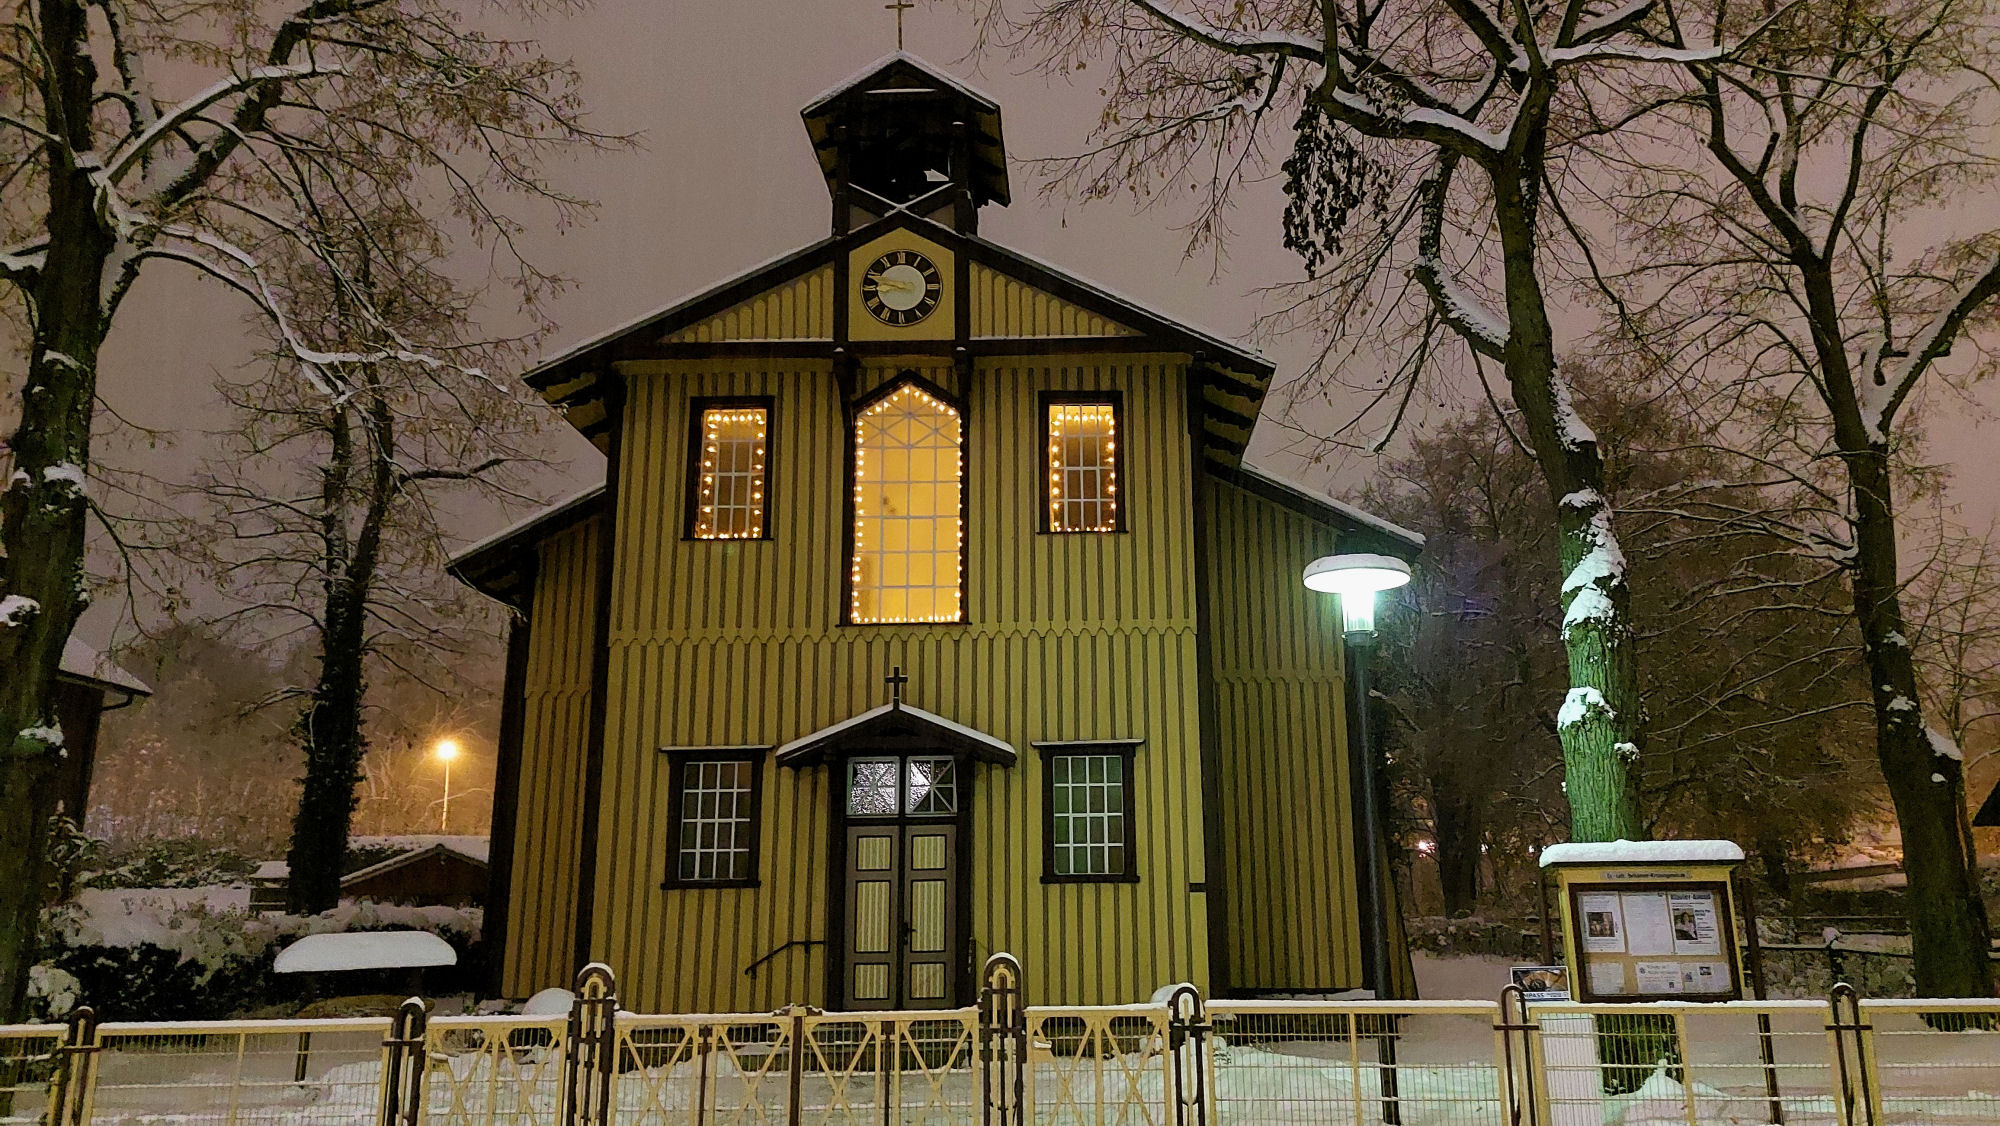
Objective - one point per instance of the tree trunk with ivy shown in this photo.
(1598, 723)
(359, 482)
(42, 511)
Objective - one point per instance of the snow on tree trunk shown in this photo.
(1949, 932)
(42, 514)
(1598, 722)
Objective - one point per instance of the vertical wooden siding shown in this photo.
(1002, 306)
(548, 827)
(798, 310)
(1288, 839)
(1070, 637)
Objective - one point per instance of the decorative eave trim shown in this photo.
(812, 748)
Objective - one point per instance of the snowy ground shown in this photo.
(1270, 1075)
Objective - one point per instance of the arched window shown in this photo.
(909, 534)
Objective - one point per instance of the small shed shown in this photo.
(85, 687)
(1988, 816)
(430, 871)
(439, 875)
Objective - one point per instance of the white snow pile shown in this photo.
(214, 926)
(1942, 745)
(1663, 1101)
(53, 991)
(1643, 852)
(15, 609)
(364, 950)
(1579, 705)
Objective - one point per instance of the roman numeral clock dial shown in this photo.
(901, 288)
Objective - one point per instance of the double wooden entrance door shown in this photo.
(903, 942)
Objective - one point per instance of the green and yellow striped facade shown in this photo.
(1186, 636)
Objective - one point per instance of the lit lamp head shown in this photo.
(447, 749)
(1356, 579)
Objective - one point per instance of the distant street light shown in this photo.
(446, 750)
(1357, 578)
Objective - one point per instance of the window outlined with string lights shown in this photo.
(729, 468)
(1082, 457)
(906, 510)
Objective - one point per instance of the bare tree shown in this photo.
(322, 515)
(1795, 260)
(110, 167)
(1753, 697)
(1424, 164)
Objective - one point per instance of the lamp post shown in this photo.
(446, 750)
(1357, 578)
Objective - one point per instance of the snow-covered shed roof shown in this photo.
(82, 662)
(1643, 852)
(404, 859)
(364, 950)
(896, 718)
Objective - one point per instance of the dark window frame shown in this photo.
(1125, 750)
(698, 408)
(1116, 401)
(679, 760)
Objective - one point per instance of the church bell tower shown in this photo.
(904, 136)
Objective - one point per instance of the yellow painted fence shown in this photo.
(1174, 1062)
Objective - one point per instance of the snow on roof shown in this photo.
(468, 845)
(272, 870)
(1643, 852)
(1358, 515)
(364, 950)
(1241, 350)
(640, 321)
(841, 86)
(83, 662)
(411, 857)
(999, 746)
(547, 512)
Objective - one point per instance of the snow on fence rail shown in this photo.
(1179, 1062)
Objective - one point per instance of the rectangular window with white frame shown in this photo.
(714, 816)
(729, 469)
(1082, 462)
(1087, 794)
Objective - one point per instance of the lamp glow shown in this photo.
(1356, 579)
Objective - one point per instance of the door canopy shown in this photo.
(894, 721)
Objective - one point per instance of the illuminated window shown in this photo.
(715, 813)
(731, 452)
(1082, 466)
(909, 534)
(1088, 796)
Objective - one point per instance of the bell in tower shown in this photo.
(904, 136)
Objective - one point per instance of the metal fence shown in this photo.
(1183, 1062)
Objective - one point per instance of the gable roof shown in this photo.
(405, 859)
(1234, 379)
(900, 74)
(493, 565)
(1359, 530)
(1989, 811)
(85, 665)
(896, 719)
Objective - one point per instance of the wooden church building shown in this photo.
(927, 610)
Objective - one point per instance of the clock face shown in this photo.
(901, 288)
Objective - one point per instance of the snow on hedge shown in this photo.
(214, 926)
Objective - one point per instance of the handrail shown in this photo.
(750, 971)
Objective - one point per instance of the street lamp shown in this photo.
(446, 750)
(1357, 578)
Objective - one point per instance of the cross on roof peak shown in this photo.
(899, 7)
(895, 681)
